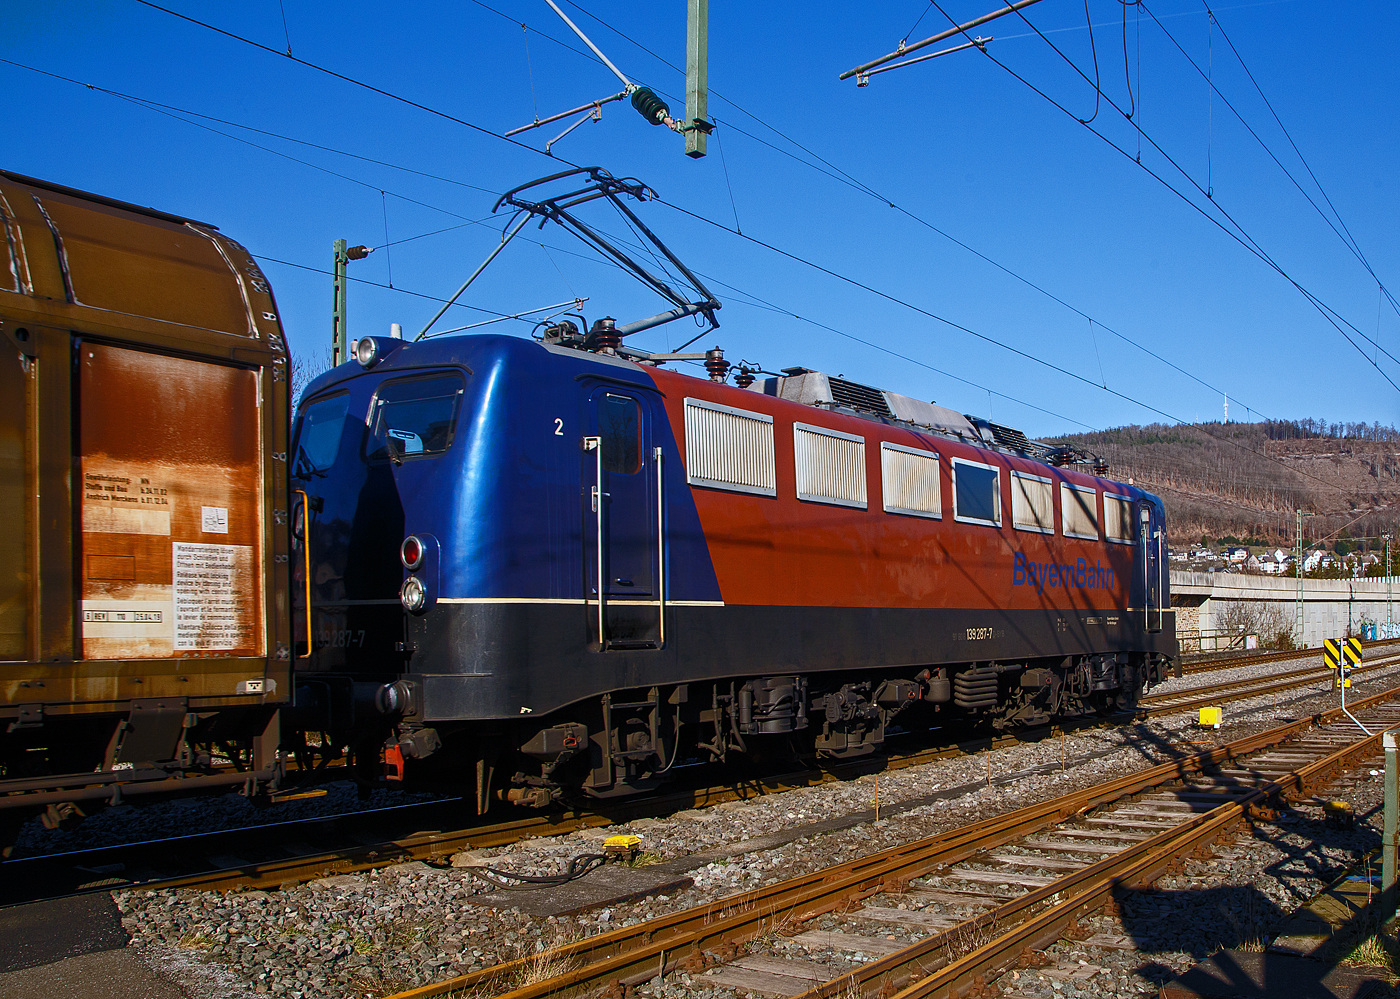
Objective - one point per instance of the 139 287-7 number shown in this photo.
(343, 638)
(977, 634)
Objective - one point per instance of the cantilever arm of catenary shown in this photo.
(904, 50)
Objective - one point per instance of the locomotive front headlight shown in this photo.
(366, 351)
(413, 595)
(411, 552)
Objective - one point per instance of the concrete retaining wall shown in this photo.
(1211, 604)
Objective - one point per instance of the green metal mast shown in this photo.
(697, 73)
(1389, 594)
(1298, 571)
(340, 344)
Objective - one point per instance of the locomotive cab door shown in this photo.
(1152, 550)
(622, 538)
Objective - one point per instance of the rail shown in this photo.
(643, 951)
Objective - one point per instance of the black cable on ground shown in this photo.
(578, 867)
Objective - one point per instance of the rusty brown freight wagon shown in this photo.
(144, 612)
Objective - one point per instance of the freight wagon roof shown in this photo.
(86, 260)
(100, 199)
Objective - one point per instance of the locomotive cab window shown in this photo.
(319, 430)
(413, 417)
(1032, 503)
(976, 493)
(1118, 518)
(1079, 510)
(620, 427)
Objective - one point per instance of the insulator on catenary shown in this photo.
(716, 365)
(651, 107)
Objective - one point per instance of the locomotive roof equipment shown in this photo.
(605, 334)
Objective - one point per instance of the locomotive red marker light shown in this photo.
(412, 595)
(411, 553)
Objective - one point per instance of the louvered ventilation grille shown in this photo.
(1010, 437)
(860, 397)
(729, 448)
(910, 482)
(830, 466)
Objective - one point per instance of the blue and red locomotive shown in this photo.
(535, 566)
(547, 567)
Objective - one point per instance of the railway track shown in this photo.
(981, 896)
(1210, 695)
(1210, 663)
(272, 855)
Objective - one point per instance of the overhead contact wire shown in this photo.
(982, 336)
(769, 246)
(841, 176)
(1241, 236)
(353, 81)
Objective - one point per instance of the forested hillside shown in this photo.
(1246, 479)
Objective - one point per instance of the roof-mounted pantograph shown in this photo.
(559, 208)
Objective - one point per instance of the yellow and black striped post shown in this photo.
(1341, 654)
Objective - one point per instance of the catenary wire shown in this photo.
(1243, 235)
(472, 125)
(350, 80)
(1238, 233)
(1344, 233)
(769, 246)
(1094, 49)
(184, 115)
(177, 116)
(981, 336)
(353, 180)
(398, 289)
(855, 183)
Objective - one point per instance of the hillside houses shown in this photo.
(1274, 563)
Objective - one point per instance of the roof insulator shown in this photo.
(716, 365)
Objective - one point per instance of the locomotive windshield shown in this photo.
(318, 437)
(414, 416)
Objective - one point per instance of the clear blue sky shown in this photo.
(959, 144)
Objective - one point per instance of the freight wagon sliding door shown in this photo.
(620, 479)
(171, 510)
